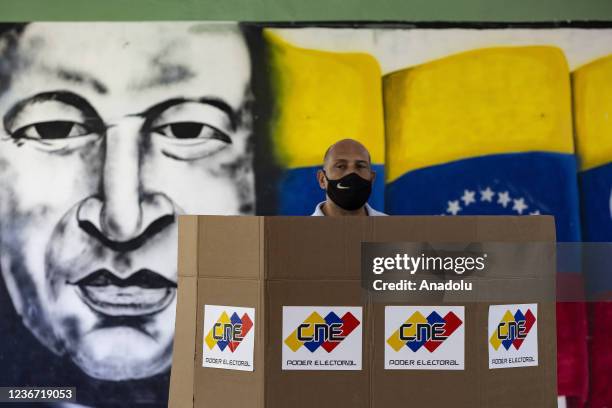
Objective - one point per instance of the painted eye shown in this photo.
(191, 130)
(51, 130)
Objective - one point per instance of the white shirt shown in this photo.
(369, 211)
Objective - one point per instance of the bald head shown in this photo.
(345, 157)
(348, 149)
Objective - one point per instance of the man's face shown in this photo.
(344, 158)
(109, 131)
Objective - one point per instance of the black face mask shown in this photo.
(350, 192)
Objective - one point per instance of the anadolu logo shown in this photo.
(229, 332)
(512, 330)
(420, 331)
(326, 332)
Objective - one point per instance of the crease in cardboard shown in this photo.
(184, 348)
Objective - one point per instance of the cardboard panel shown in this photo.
(425, 388)
(521, 386)
(268, 263)
(229, 247)
(182, 373)
(538, 228)
(419, 229)
(229, 388)
(310, 248)
(188, 245)
(305, 389)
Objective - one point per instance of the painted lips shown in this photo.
(143, 293)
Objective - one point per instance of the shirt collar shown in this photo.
(318, 212)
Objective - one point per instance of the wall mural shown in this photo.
(111, 130)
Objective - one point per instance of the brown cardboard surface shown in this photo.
(522, 386)
(229, 247)
(315, 247)
(270, 262)
(325, 389)
(183, 349)
(182, 374)
(188, 246)
(425, 388)
(227, 388)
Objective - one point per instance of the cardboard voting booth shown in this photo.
(273, 312)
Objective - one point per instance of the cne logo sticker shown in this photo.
(513, 337)
(424, 338)
(229, 332)
(228, 337)
(321, 338)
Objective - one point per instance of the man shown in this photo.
(346, 178)
(109, 131)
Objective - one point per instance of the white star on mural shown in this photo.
(519, 205)
(463, 203)
(468, 197)
(453, 207)
(487, 194)
(504, 198)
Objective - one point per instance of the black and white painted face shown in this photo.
(109, 131)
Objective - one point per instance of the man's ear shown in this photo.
(321, 179)
(373, 175)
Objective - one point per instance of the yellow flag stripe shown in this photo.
(592, 86)
(322, 97)
(481, 102)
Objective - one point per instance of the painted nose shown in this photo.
(123, 211)
(156, 212)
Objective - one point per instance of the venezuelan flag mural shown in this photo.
(592, 88)
(483, 132)
(592, 91)
(320, 98)
(489, 132)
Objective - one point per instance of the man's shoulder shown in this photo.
(318, 212)
(374, 213)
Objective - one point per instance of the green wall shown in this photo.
(307, 10)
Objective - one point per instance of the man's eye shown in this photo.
(51, 130)
(191, 130)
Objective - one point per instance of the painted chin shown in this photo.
(121, 353)
(116, 332)
(122, 347)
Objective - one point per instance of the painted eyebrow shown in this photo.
(80, 77)
(92, 118)
(218, 103)
(167, 74)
